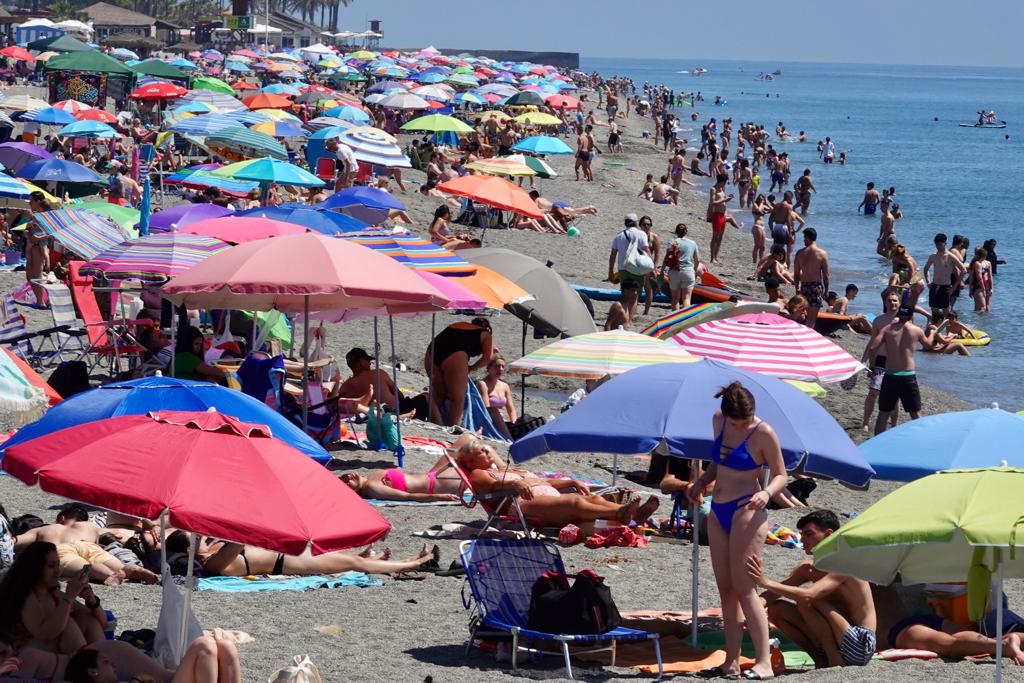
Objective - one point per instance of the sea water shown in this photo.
(947, 178)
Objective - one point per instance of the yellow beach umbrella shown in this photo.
(279, 115)
(496, 113)
(363, 54)
(539, 118)
(501, 166)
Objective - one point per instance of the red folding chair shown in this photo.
(326, 169)
(108, 340)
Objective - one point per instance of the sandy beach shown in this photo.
(416, 630)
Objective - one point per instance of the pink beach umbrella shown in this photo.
(241, 229)
(772, 345)
(459, 299)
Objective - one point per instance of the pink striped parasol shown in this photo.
(770, 344)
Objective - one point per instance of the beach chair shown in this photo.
(326, 169)
(67, 342)
(14, 336)
(500, 576)
(108, 340)
(501, 508)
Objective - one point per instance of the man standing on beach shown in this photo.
(804, 186)
(948, 269)
(833, 619)
(899, 341)
(810, 273)
(346, 163)
(780, 224)
(585, 146)
(876, 364)
(629, 282)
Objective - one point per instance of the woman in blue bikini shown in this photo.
(738, 522)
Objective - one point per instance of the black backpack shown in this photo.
(584, 608)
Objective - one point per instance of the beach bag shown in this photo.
(524, 425)
(166, 647)
(302, 671)
(381, 430)
(584, 608)
(672, 255)
(636, 261)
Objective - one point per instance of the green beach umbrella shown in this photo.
(125, 217)
(269, 171)
(212, 83)
(438, 123)
(953, 525)
(247, 142)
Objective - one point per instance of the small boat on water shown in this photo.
(777, 72)
(991, 124)
(697, 71)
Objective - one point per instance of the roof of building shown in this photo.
(104, 14)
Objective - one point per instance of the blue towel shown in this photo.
(238, 584)
(475, 415)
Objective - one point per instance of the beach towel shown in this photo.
(261, 378)
(467, 532)
(795, 657)
(467, 498)
(676, 655)
(264, 584)
(897, 655)
(475, 416)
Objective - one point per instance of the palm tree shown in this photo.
(63, 9)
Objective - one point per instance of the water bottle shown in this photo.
(111, 629)
(778, 661)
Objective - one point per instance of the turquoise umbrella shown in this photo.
(247, 142)
(87, 129)
(268, 170)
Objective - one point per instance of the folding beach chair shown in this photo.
(326, 169)
(500, 508)
(111, 340)
(500, 576)
(66, 343)
(14, 336)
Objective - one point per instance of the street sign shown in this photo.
(238, 23)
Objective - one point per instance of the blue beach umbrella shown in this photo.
(50, 116)
(347, 112)
(87, 129)
(428, 77)
(203, 125)
(140, 396)
(326, 222)
(370, 197)
(61, 171)
(542, 144)
(961, 440)
(268, 170)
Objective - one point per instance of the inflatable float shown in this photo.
(978, 338)
(994, 124)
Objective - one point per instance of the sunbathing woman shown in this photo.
(497, 395)
(442, 235)
(397, 484)
(545, 499)
(220, 558)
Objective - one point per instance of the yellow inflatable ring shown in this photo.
(980, 338)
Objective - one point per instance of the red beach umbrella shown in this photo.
(212, 474)
(556, 101)
(241, 229)
(95, 115)
(244, 85)
(19, 53)
(157, 91)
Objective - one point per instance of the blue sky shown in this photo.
(965, 32)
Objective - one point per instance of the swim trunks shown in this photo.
(90, 552)
(718, 221)
(938, 296)
(628, 280)
(584, 156)
(780, 234)
(814, 292)
(778, 177)
(931, 621)
(877, 374)
(899, 386)
(858, 646)
(869, 209)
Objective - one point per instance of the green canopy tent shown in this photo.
(88, 77)
(154, 67)
(92, 61)
(61, 43)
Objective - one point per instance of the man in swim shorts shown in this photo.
(949, 640)
(899, 340)
(870, 201)
(833, 618)
(946, 268)
(810, 273)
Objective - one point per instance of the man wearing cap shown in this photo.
(898, 341)
(363, 385)
(630, 283)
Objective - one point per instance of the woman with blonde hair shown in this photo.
(497, 395)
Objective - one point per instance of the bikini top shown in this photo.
(738, 458)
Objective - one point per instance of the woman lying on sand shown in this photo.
(546, 500)
(220, 558)
(398, 484)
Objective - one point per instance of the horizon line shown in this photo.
(793, 61)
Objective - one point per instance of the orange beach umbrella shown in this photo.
(493, 191)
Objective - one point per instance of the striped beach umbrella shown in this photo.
(248, 118)
(280, 129)
(374, 147)
(203, 124)
(592, 356)
(222, 101)
(268, 171)
(502, 166)
(415, 252)
(401, 100)
(81, 231)
(154, 258)
(23, 103)
(247, 142)
(772, 345)
(72, 106)
(12, 191)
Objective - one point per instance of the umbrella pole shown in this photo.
(163, 541)
(376, 399)
(430, 372)
(522, 381)
(399, 449)
(694, 559)
(999, 617)
(186, 608)
(305, 362)
(174, 334)
(615, 469)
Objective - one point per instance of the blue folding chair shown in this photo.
(500, 576)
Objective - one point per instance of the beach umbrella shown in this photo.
(13, 192)
(415, 252)
(124, 54)
(404, 100)
(384, 86)
(20, 399)
(239, 230)
(493, 191)
(248, 118)
(81, 231)
(101, 115)
(556, 101)
(17, 53)
(284, 89)
(556, 309)
(770, 344)
(153, 258)
(247, 142)
(495, 114)
(278, 115)
(33, 378)
(469, 98)
(72, 106)
(951, 526)
(266, 171)
(125, 217)
(542, 144)
(280, 129)
(363, 196)
(433, 92)
(539, 118)
(535, 164)
(323, 122)
(50, 116)
(324, 222)
(465, 80)
(595, 355)
(212, 55)
(267, 101)
(194, 108)
(22, 103)
(244, 85)
(502, 166)
(203, 124)
(203, 179)
(429, 77)
(973, 438)
(374, 147)
(496, 290)
(87, 129)
(525, 98)
(672, 323)
(183, 214)
(59, 170)
(157, 91)
(184, 64)
(222, 101)
(438, 123)
(349, 113)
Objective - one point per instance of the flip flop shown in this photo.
(716, 672)
(454, 569)
(751, 675)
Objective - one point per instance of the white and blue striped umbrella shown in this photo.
(203, 124)
(12, 189)
(224, 103)
(374, 147)
(248, 118)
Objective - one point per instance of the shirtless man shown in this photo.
(780, 223)
(886, 229)
(804, 186)
(507, 138)
(718, 215)
(870, 201)
(833, 619)
(585, 146)
(876, 364)
(663, 193)
(899, 340)
(948, 268)
(77, 541)
(810, 273)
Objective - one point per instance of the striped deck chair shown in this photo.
(66, 342)
(500, 576)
